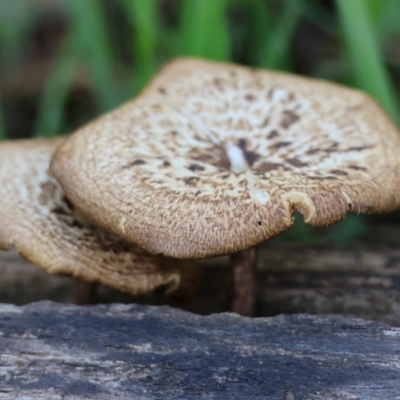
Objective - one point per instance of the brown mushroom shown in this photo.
(213, 159)
(46, 228)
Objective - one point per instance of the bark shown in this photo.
(50, 351)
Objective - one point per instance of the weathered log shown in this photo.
(359, 281)
(50, 351)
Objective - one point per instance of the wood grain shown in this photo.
(50, 351)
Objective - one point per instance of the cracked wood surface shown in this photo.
(50, 351)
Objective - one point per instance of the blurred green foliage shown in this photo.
(256, 32)
(121, 44)
(51, 106)
(203, 30)
(367, 63)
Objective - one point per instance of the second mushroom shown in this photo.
(38, 219)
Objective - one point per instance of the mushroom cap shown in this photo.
(214, 158)
(42, 223)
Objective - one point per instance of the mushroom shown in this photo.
(37, 217)
(213, 159)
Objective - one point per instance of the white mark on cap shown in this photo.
(238, 166)
(348, 199)
(255, 191)
(122, 223)
(279, 95)
(236, 158)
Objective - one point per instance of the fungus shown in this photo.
(213, 159)
(47, 229)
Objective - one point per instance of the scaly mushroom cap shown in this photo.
(46, 228)
(214, 158)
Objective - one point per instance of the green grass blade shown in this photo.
(48, 123)
(388, 21)
(318, 15)
(143, 18)
(374, 9)
(248, 36)
(203, 29)
(17, 18)
(90, 25)
(367, 64)
(275, 50)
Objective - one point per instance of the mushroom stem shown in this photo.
(86, 293)
(243, 266)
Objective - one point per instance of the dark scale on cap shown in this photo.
(134, 163)
(357, 168)
(323, 178)
(192, 181)
(162, 90)
(358, 148)
(281, 144)
(242, 144)
(196, 167)
(166, 164)
(339, 172)
(138, 162)
(215, 155)
(312, 152)
(296, 162)
(268, 166)
(289, 118)
(249, 97)
(59, 211)
(332, 148)
(251, 157)
(273, 134)
(76, 224)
